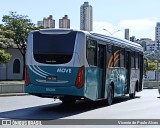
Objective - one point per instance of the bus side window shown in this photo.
(91, 52)
(109, 56)
(132, 59)
(136, 61)
(116, 56)
(122, 64)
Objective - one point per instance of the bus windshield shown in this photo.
(53, 48)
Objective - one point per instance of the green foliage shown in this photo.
(158, 60)
(152, 56)
(20, 25)
(151, 60)
(5, 37)
(17, 28)
(145, 66)
(5, 42)
(152, 66)
(4, 57)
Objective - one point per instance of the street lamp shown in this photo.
(110, 32)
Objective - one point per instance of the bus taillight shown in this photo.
(27, 80)
(80, 77)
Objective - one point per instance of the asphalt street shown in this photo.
(144, 106)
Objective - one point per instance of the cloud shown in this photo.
(104, 25)
(138, 24)
(110, 29)
(140, 28)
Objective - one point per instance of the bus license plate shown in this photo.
(51, 77)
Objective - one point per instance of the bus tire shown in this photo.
(132, 95)
(110, 95)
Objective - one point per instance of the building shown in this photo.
(13, 70)
(151, 46)
(64, 22)
(47, 22)
(86, 17)
(126, 34)
(148, 44)
(40, 23)
(157, 35)
(157, 31)
(133, 38)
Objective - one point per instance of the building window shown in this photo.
(16, 66)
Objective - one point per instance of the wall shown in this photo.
(6, 70)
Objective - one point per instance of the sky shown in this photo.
(139, 16)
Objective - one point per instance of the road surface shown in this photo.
(146, 105)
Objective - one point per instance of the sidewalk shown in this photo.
(11, 88)
(13, 94)
(11, 82)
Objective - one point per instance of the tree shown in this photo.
(5, 37)
(5, 41)
(4, 57)
(145, 66)
(20, 25)
(152, 66)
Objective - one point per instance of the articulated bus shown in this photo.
(71, 65)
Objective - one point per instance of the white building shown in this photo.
(148, 44)
(157, 31)
(86, 17)
(151, 46)
(157, 35)
(13, 70)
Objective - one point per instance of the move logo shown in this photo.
(64, 70)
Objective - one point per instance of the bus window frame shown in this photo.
(95, 61)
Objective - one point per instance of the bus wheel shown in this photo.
(68, 100)
(132, 95)
(110, 95)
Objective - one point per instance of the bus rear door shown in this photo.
(102, 69)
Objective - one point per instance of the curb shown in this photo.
(13, 94)
(9, 88)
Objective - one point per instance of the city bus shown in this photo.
(71, 65)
